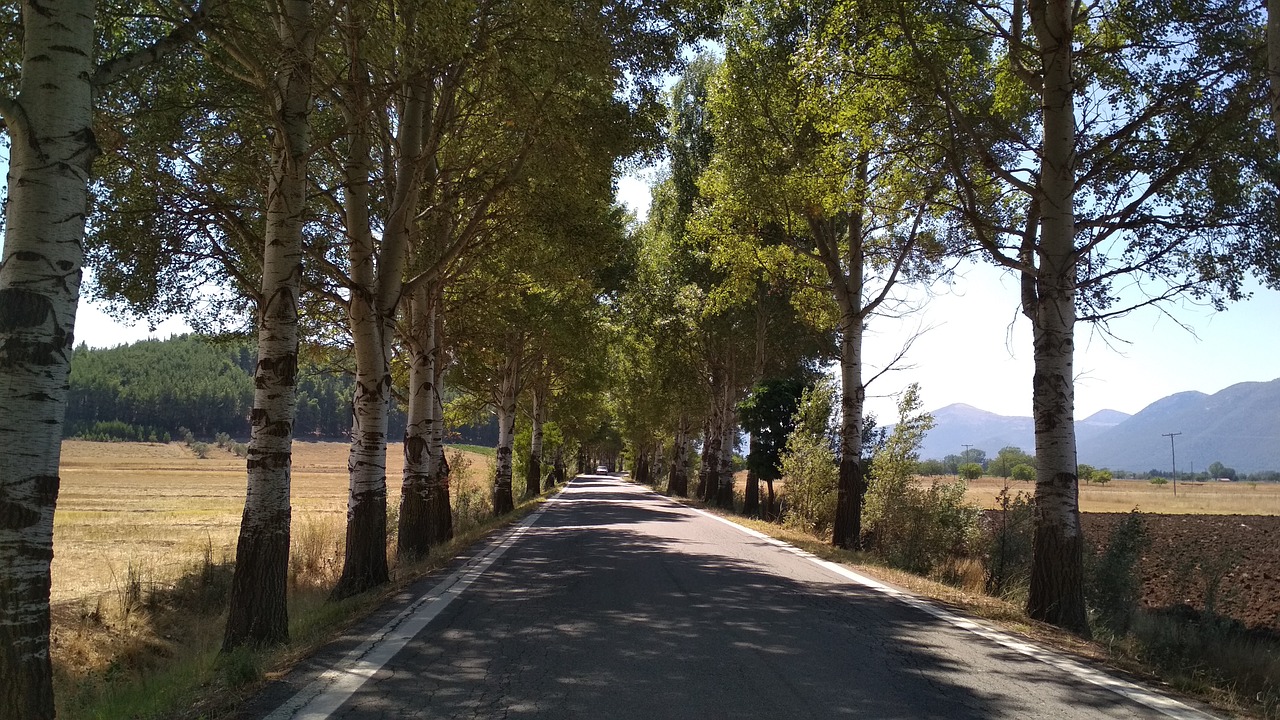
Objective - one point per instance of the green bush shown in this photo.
(911, 527)
(1114, 585)
(809, 464)
(1007, 553)
(970, 471)
(1023, 472)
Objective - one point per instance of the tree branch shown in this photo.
(185, 32)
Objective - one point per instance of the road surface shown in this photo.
(613, 602)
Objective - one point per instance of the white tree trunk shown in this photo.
(51, 149)
(257, 612)
(729, 435)
(678, 480)
(503, 500)
(425, 516)
(847, 529)
(1057, 577)
(377, 268)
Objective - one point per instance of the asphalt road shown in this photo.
(613, 602)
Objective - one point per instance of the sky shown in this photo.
(976, 346)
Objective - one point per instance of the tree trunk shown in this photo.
(678, 481)
(771, 505)
(503, 500)
(1057, 576)
(51, 149)
(852, 485)
(258, 613)
(710, 465)
(376, 276)
(729, 435)
(438, 506)
(426, 519)
(558, 472)
(751, 501)
(533, 473)
(642, 467)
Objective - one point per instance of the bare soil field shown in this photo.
(141, 512)
(1120, 496)
(1230, 561)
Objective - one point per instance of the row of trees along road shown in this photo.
(362, 174)
(1112, 155)
(427, 188)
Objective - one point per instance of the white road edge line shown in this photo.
(1164, 705)
(324, 695)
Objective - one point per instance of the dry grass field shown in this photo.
(1118, 496)
(148, 512)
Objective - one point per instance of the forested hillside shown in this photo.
(156, 387)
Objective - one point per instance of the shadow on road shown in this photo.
(619, 605)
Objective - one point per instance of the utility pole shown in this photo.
(1174, 455)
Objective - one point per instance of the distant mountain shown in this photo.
(959, 425)
(1238, 426)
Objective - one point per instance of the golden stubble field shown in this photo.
(1120, 496)
(150, 512)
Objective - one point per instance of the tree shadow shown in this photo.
(616, 606)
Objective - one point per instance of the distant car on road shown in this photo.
(600, 469)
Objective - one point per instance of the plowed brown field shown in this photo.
(1233, 560)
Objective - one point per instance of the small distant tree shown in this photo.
(1218, 470)
(1102, 477)
(975, 456)
(1085, 472)
(970, 471)
(1159, 481)
(1024, 472)
(929, 468)
(1007, 459)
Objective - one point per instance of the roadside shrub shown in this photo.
(1023, 472)
(1114, 585)
(911, 527)
(200, 449)
(970, 471)
(809, 464)
(1009, 533)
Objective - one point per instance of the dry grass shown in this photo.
(1209, 498)
(143, 538)
(156, 508)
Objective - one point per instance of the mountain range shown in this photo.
(1238, 426)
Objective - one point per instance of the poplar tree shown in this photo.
(48, 117)
(1108, 155)
(818, 160)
